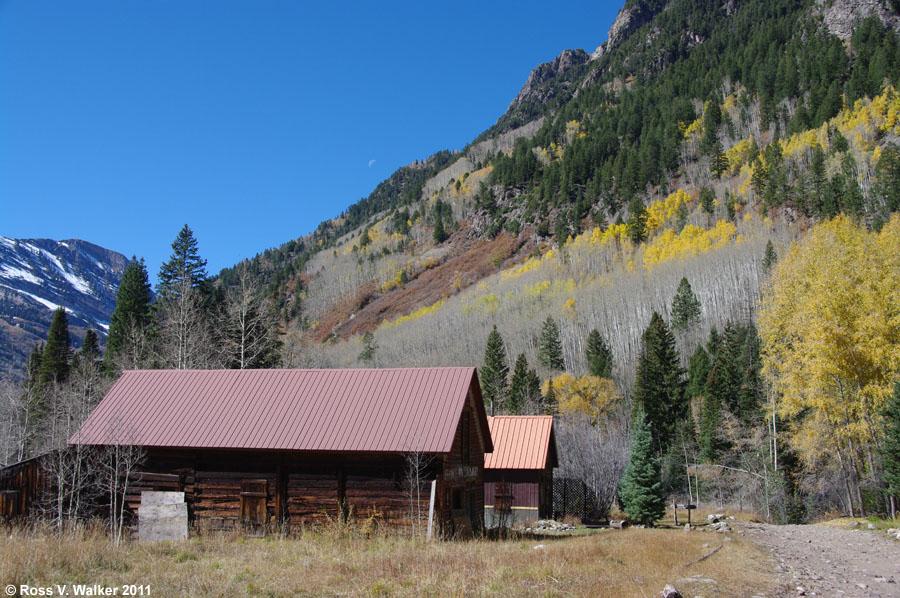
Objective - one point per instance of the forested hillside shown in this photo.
(692, 148)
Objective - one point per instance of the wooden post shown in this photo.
(675, 508)
(431, 510)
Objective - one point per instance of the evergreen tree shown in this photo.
(186, 332)
(33, 367)
(770, 257)
(551, 403)
(641, 487)
(550, 348)
(707, 200)
(132, 313)
(185, 268)
(718, 161)
(518, 387)
(712, 118)
(561, 231)
(57, 351)
(698, 373)
(888, 182)
(440, 235)
(890, 446)
(637, 221)
(712, 345)
(599, 355)
(369, 346)
(659, 385)
(711, 414)
(494, 372)
(750, 393)
(685, 306)
(90, 348)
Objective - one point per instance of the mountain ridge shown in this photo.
(39, 275)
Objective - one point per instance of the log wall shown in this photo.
(22, 487)
(300, 490)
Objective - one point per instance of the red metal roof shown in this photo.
(521, 442)
(394, 410)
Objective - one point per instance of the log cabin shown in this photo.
(518, 474)
(259, 449)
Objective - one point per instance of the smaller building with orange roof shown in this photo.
(518, 475)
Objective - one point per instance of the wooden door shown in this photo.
(253, 506)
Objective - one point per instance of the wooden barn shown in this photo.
(264, 448)
(518, 474)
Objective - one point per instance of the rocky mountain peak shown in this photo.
(631, 17)
(840, 16)
(546, 72)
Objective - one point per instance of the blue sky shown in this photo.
(251, 121)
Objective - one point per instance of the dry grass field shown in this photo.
(343, 562)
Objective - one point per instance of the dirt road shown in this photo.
(830, 561)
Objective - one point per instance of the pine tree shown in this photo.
(750, 393)
(707, 200)
(718, 161)
(57, 351)
(599, 355)
(711, 417)
(637, 221)
(698, 373)
(770, 257)
(534, 399)
(890, 446)
(33, 367)
(518, 387)
(185, 268)
(494, 371)
(712, 118)
(369, 346)
(187, 307)
(659, 386)
(90, 348)
(132, 314)
(440, 234)
(686, 308)
(551, 403)
(550, 347)
(641, 487)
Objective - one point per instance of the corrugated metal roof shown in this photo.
(520, 442)
(393, 410)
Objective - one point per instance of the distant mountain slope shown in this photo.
(37, 276)
(693, 112)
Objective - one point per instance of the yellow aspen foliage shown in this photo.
(693, 129)
(830, 326)
(422, 311)
(532, 263)
(739, 155)
(691, 241)
(661, 211)
(569, 309)
(590, 395)
(573, 129)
